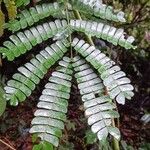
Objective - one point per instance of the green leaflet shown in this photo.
(96, 8)
(106, 32)
(118, 85)
(90, 137)
(23, 83)
(43, 146)
(22, 2)
(34, 14)
(99, 108)
(52, 107)
(24, 41)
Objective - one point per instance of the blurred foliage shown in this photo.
(146, 118)
(90, 137)
(43, 146)
(66, 146)
(70, 125)
(2, 22)
(143, 146)
(10, 7)
(2, 100)
(138, 23)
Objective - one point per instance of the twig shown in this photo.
(70, 37)
(7, 145)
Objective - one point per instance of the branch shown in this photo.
(115, 142)
(7, 145)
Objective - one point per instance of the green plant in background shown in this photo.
(143, 146)
(2, 99)
(11, 10)
(138, 20)
(11, 7)
(100, 81)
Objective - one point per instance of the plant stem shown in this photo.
(7, 145)
(78, 16)
(70, 38)
(0, 60)
(115, 141)
(89, 39)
